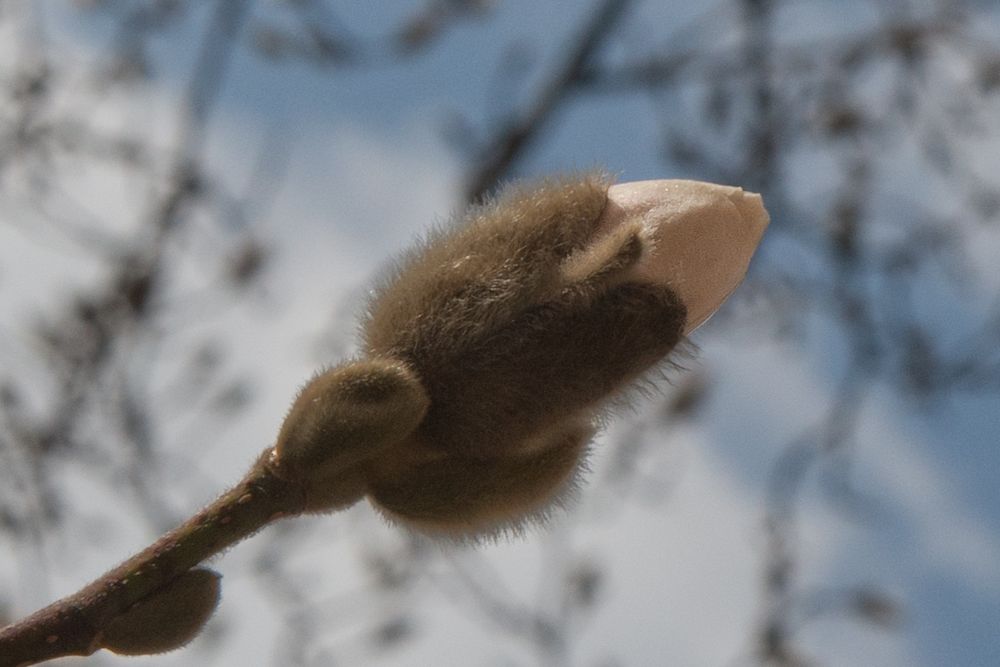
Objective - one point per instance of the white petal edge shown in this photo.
(702, 237)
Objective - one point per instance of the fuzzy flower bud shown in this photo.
(522, 323)
(495, 346)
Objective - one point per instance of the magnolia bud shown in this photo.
(526, 319)
(166, 619)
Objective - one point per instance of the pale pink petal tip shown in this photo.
(703, 236)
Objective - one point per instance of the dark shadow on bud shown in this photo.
(458, 496)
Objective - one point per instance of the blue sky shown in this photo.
(368, 170)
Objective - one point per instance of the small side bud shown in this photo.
(167, 619)
(346, 414)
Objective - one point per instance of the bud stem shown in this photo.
(73, 625)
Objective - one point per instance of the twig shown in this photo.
(500, 155)
(74, 624)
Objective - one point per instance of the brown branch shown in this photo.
(74, 624)
(787, 60)
(500, 155)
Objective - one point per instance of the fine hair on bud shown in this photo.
(167, 618)
(522, 324)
